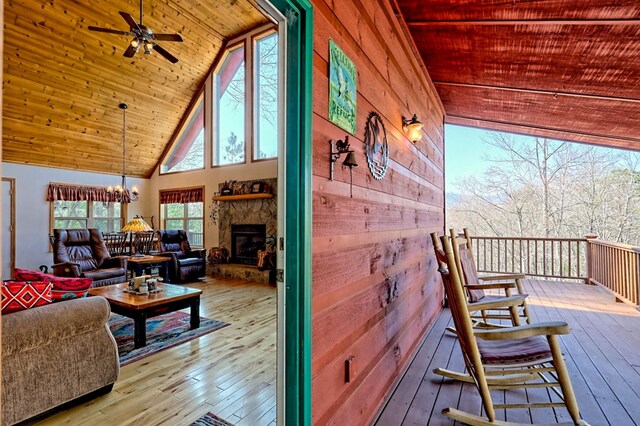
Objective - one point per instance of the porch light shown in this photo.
(413, 128)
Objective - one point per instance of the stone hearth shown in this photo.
(244, 272)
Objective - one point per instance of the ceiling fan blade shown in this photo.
(131, 50)
(132, 22)
(168, 37)
(168, 56)
(108, 30)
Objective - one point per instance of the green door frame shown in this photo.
(297, 262)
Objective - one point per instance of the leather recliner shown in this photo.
(186, 264)
(83, 253)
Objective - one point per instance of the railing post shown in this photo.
(589, 253)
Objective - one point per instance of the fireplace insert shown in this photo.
(246, 240)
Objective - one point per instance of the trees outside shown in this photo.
(548, 188)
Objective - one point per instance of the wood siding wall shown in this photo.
(376, 289)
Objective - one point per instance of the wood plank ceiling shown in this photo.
(62, 83)
(565, 69)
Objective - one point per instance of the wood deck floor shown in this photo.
(602, 354)
(230, 372)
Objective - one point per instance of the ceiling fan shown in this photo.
(142, 36)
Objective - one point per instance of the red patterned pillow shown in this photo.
(20, 295)
(60, 295)
(59, 283)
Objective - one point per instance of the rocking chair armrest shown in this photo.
(520, 332)
(492, 286)
(503, 302)
(502, 277)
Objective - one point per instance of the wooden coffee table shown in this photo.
(139, 307)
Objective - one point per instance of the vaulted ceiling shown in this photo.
(564, 69)
(63, 83)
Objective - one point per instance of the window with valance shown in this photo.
(184, 209)
(82, 206)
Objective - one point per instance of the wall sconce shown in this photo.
(413, 128)
(342, 147)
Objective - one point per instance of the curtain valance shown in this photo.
(61, 191)
(186, 195)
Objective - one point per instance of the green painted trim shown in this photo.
(298, 192)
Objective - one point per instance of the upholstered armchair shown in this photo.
(83, 253)
(186, 264)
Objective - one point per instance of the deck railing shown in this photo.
(617, 267)
(564, 258)
(195, 238)
(612, 265)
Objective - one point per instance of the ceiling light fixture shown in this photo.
(121, 189)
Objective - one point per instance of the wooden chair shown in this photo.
(476, 284)
(517, 278)
(116, 243)
(527, 356)
(483, 308)
(143, 242)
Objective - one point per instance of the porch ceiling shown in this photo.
(62, 83)
(565, 69)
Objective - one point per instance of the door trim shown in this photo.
(298, 16)
(12, 188)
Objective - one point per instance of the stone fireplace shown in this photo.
(244, 226)
(246, 240)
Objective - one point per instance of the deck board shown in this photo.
(602, 354)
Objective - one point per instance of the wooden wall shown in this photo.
(376, 289)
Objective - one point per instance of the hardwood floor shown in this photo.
(602, 354)
(230, 372)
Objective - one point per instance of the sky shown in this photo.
(464, 153)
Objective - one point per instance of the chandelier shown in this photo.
(122, 188)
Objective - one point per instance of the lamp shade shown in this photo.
(137, 224)
(413, 127)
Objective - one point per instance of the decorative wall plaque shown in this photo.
(376, 148)
(342, 89)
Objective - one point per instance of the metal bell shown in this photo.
(350, 160)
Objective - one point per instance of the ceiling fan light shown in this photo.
(147, 47)
(135, 43)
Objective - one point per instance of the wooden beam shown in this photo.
(538, 91)
(632, 144)
(534, 22)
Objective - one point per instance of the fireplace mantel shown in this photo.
(256, 196)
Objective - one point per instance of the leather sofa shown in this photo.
(83, 253)
(186, 264)
(55, 354)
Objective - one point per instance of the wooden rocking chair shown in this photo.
(470, 271)
(526, 356)
(483, 308)
(476, 284)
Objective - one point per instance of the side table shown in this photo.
(138, 264)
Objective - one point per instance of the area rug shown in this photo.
(163, 332)
(211, 419)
